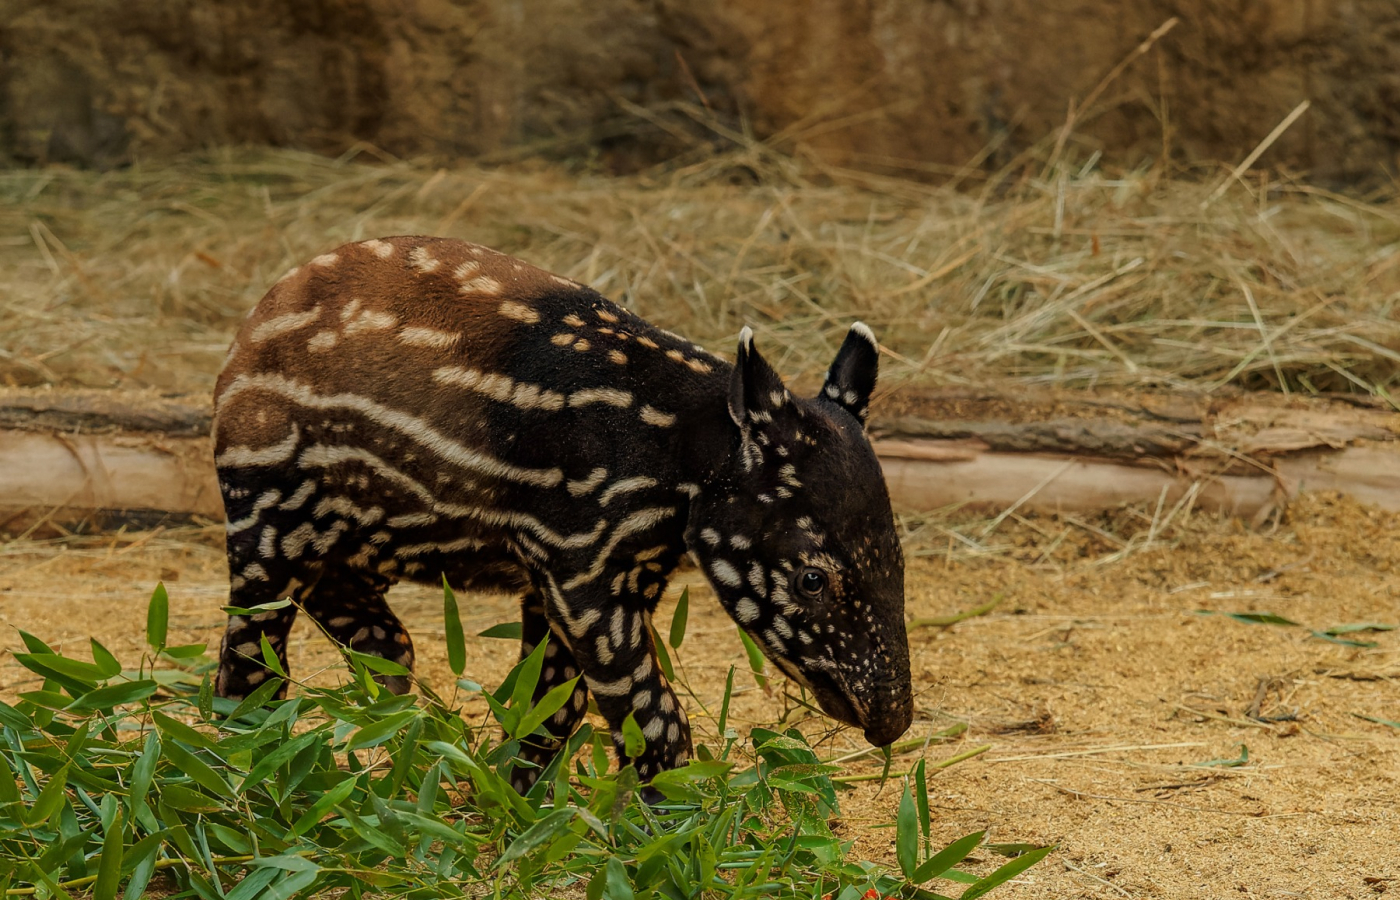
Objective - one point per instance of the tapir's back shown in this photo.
(466, 371)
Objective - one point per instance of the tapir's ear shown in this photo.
(755, 390)
(851, 378)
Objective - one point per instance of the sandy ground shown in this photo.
(1097, 682)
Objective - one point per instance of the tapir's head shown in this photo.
(796, 535)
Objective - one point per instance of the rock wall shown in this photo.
(907, 85)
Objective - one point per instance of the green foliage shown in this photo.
(115, 778)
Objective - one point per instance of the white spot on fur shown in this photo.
(423, 261)
(652, 416)
(725, 573)
(519, 312)
(584, 486)
(322, 341)
(610, 396)
(501, 388)
(345, 507)
(242, 456)
(371, 320)
(282, 324)
(483, 284)
(639, 521)
(415, 336)
(625, 486)
(381, 249)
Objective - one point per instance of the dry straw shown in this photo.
(1058, 273)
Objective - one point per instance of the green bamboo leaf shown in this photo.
(1354, 627)
(456, 641)
(663, 657)
(1253, 618)
(206, 697)
(106, 663)
(678, 619)
(256, 700)
(141, 863)
(65, 670)
(113, 695)
(275, 760)
(1227, 762)
(270, 657)
(269, 606)
(1345, 642)
(253, 884)
(9, 786)
(157, 618)
(538, 834)
(549, 704)
(618, 886)
(921, 801)
(378, 732)
(199, 771)
(1006, 873)
(371, 834)
(512, 631)
(597, 884)
(723, 729)
(142, 774)
(184, 651)
(177, 796)
(526, 679)
(109, 863)
(944, 860)
(377, 664)
(50, 799)
(755, 659)
(34, 644)
(13, 718)
(906, 835)
(174, 728)
(634, 742)
(324, 804)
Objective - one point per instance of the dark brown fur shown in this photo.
(417, 407)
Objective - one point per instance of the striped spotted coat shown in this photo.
(409, 408)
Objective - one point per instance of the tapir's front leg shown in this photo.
(609, 636)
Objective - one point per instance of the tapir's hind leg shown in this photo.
(241, 665)
(349, 604)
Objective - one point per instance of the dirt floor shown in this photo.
(1100, 683)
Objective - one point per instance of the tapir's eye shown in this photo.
(811, 582)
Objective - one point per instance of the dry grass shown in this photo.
(1074, 275)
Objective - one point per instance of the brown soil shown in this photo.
(923, 87)
(1097, 682)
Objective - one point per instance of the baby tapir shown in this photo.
(415, 407)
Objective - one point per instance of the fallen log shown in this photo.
(94, 459)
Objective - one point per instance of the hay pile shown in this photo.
(1068, 275)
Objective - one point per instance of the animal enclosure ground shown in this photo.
(1098, 685)
(1115, 710)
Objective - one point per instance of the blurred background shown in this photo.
(1152, 193)
(907, 87)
